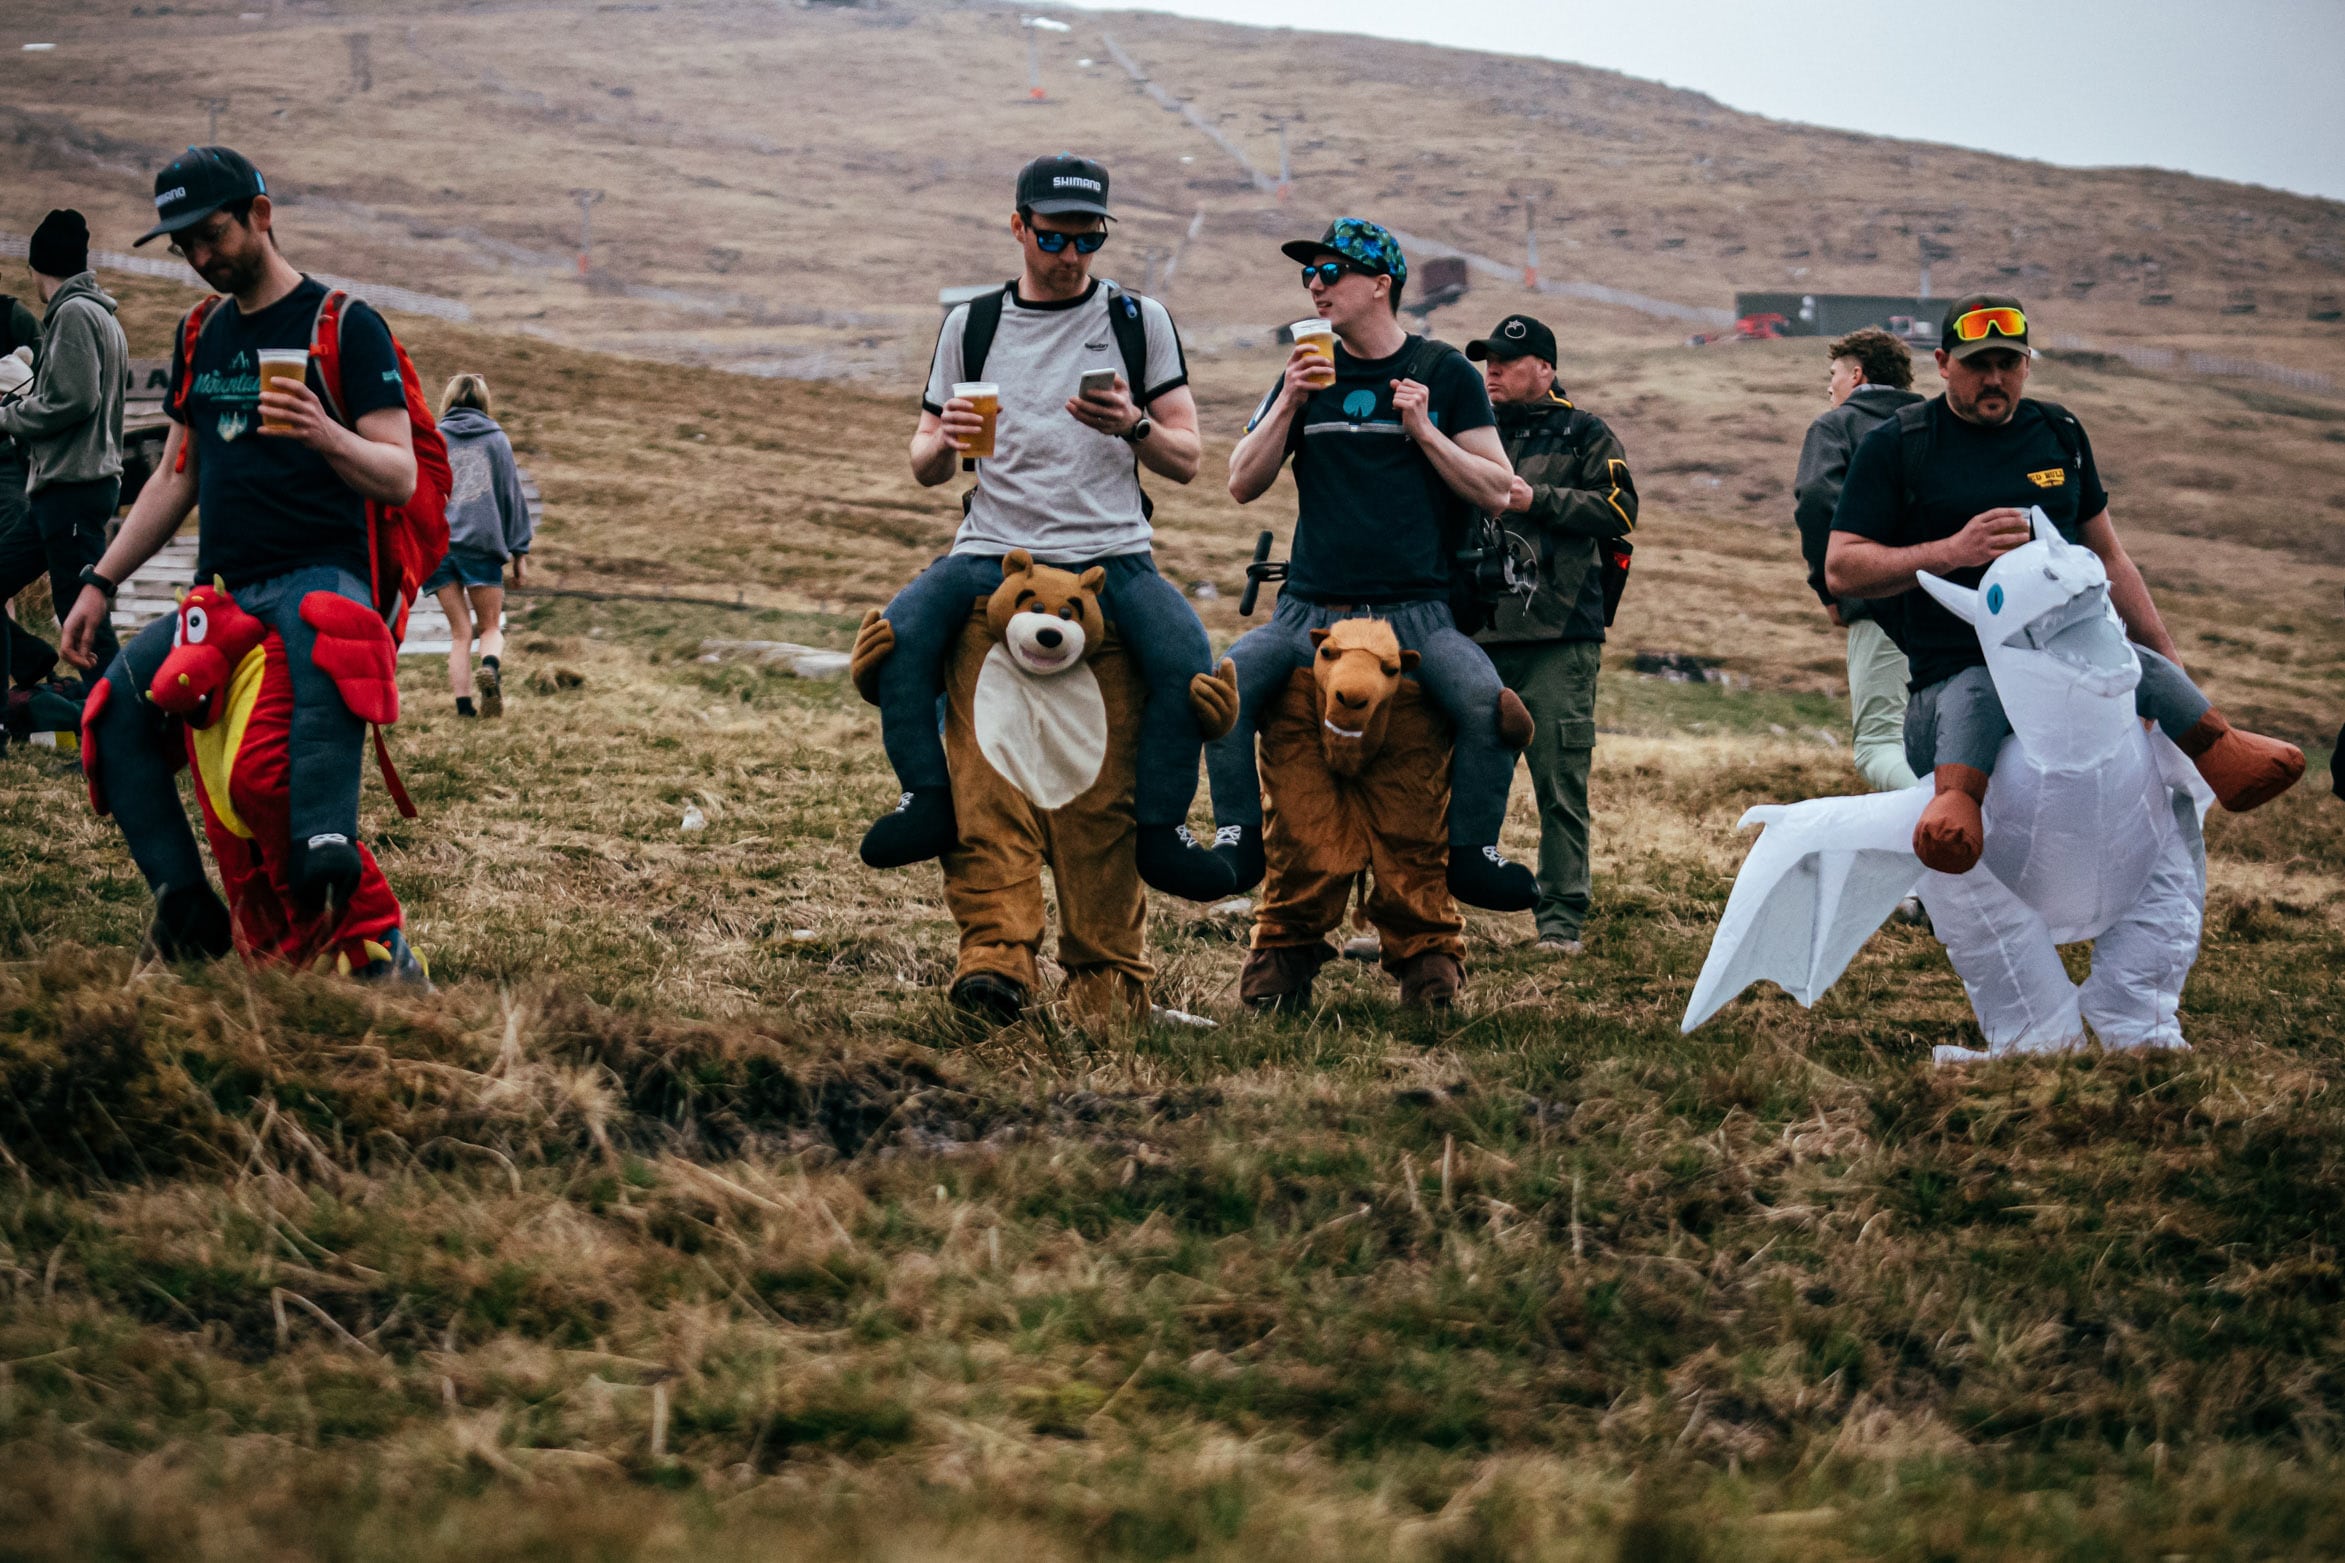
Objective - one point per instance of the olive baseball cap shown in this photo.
(197, 183)
(1369, 246)
(1517, 336)
(1983, 323)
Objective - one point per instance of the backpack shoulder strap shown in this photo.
(191, 329)
(1914, 439)
(977, 331)
(1129, 324)
(325, 349)
(2065, 429)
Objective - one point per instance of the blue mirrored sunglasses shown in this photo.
(1328, 272)
(1053, 243)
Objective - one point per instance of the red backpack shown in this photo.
(404, 543)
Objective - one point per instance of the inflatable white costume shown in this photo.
(2092, 832)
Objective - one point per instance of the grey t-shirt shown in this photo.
(1054, 486)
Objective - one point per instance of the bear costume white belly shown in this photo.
(1045, 734)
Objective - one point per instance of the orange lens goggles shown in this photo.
(1977, 324)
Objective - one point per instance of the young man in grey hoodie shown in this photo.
(70, 423)
(1872, 376)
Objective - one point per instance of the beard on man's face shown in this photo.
(239, 272)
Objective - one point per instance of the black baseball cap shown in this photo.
(197, 183)
(1517, 336)
(1998, 313)
(1063, 185)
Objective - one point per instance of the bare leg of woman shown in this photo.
(459, 639)
(488, 608)
(488, 611)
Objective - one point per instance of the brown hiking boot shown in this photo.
(1281, 978)
(1430, 980)
(2247, 770)
(1952, 833)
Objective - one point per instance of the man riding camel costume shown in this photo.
(1355, 776)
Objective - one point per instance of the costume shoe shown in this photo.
(1952, 832)
(1171, 860)
(920, 827)
(1479, 876)
(2245, 769)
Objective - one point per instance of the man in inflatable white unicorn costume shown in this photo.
(2092, 832)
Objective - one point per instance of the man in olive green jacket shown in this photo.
(1572, 496)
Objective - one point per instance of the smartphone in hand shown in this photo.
(1099, 382)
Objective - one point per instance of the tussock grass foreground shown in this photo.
(684, 1221)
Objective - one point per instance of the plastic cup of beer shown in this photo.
(1318, 336)
(986, 397)
(281, 363)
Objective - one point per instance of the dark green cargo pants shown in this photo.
(1557, 681)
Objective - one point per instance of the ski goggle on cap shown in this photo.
(1985, 322)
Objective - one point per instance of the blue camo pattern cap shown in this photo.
(1369, 246)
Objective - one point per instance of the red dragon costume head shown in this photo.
(210, 642)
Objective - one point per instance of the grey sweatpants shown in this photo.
(1960, 720)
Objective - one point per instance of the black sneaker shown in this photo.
(325, 875)
(1240, 846)
(1173, 861)
(1478, 876)
(191, 924)
(464, 706)
(491, 683)
(921, 827)
(990, 996)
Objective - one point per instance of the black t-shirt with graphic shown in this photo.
(1969, 469)
(1374, 523)
(270, 504)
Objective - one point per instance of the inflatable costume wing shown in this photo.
(1823, 877)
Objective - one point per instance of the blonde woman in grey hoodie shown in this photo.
(488, 524)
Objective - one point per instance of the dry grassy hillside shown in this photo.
(788, 186)
(685, 1222)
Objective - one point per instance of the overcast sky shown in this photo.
(2234, 89)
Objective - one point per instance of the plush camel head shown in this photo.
(212, 638)
(1047, 618)
(1357, 670)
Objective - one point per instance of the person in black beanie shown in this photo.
(69, 421)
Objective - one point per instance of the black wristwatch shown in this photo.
(1139, 431)
(91, 577)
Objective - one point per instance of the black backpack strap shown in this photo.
(2066, 430)
(1914, 439)
(1130, 327)
(977, 331)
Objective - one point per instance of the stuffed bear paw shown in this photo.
(1214, 698)
(874, 643)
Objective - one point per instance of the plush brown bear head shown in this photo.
(1357, 670)
(1047, 618)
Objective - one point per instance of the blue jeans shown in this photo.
(140, 750)
(1454, 672)
(1159, 631)
(1960, 721)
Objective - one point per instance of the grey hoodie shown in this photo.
(70, 418)
(1823, 467)
(487, 512)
